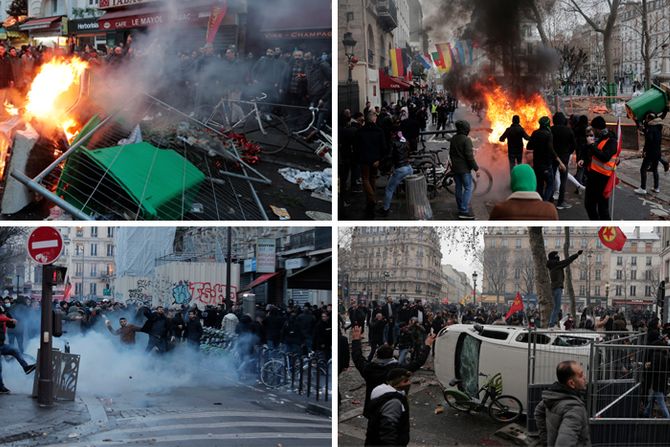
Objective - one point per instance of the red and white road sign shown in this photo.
(45, 245)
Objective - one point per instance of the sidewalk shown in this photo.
(629, 173)
(23, 419)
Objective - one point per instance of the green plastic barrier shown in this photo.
(653, 100)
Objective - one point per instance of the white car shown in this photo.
(463, 351)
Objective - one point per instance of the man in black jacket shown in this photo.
(601, 158)
(401, 169)
(157, 328)
(653, 134)
(374, 373)
(541, 143)
(388, 424)
(514, 134)
(565, 144)
(557, 276)
(370, 147)
(193, 332)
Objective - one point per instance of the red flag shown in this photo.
(68, 290)
(614, 180)
(216, 17)
(517, 305)
(612, 238)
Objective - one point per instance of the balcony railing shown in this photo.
(387, 14)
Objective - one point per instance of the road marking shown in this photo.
(44, 244)
(195, 437)
(324, 425)
(212, 414)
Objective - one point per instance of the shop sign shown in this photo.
(299, 35)
(265, 256)
(249, 265)
(82, 26)
(140, 21)
(105, 4)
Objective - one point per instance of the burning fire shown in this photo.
(47, 100)
(501, 106)
(11, 109)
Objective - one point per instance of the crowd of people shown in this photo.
(293, 328)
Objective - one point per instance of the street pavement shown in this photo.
(426, 427)
(230, 414)
(627, 204)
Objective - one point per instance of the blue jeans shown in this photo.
(545, 183)
(463, 192)
(402, 356)
(9, 350)
(398, 176)
(557, 294)
(659, 397)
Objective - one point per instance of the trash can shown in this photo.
(653, 100)
(417, 198)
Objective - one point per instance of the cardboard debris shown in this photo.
(282, 213)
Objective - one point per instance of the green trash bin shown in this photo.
(653, 100)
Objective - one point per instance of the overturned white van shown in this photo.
(463, 351)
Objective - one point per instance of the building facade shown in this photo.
(403, 263)
(599, 276)
(455, 285)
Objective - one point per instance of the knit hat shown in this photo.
(598, 123)
(523, 178)
(397, 376)
(545, 121)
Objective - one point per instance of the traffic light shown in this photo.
(660, 296)
(56, 275)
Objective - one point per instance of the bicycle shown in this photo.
(439, 174)
(503, 408)
(325, 140)
(254, 124)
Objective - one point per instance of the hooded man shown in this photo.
(557, 276)
(388, 424)
(514, 134)
(561, 416)
(653, 134)
(375, 372)
(524, 203)
(462, 164)
(541, 143)
(565, 144)
(602, 160)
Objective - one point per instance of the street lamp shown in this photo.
(386, 276)
(588, 280)
(349, 43)
(474, 287)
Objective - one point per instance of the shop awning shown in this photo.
(387, 82)
(314, 277)
(314, 21)
(260, 280)
(44, 23)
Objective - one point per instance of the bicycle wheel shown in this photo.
(505, 409)
(273, 374)
(457, 404)
(484, 183)
(276, 136)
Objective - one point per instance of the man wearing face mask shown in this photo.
(601, 152)
(557, 276)
(561, 415)
(388, 423)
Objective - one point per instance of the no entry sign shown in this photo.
(45, 245)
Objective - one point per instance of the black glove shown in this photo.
(580, 252)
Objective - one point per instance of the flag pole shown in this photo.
(618, 142)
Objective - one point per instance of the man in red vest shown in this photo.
(601, 151)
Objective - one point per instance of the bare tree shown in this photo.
(539, 253)
(606, 28)
(495, 262)
(568, 273)
(572, 61)
(527, 267)
(648, 49)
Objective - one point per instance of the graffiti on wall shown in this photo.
(140, 295)
(200, 293)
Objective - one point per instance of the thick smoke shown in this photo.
(495, 28)
(108, 368)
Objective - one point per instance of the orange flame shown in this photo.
(11, 109)
(51, 93)
(501, 106)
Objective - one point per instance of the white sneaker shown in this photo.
(640, 191)
(656, 190)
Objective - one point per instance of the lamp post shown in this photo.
(349, 43)
(474, 287)
(386, 277)
(588, 279)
